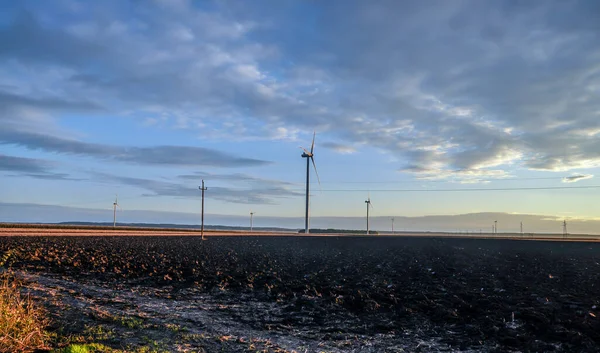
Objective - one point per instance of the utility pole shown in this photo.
(565, 233)
(392, 225)
(251, 220)
(202, 226)
(495, 227)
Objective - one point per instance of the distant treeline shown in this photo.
(342, 231)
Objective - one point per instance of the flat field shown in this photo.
(313, 294)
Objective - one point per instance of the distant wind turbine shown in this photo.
(115, 205)
(309, 155)
(251, 220)
(368, 202)
(521, 228)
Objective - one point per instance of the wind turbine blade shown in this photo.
(312, 147)
(304, 149)
(317, 173)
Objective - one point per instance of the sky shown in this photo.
(426, 107)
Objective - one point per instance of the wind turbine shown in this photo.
(115, 205)
(368, 202)
(251, 219)
(309, 155)
(521, 228)
(392, 225)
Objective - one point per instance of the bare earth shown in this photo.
(296, 293)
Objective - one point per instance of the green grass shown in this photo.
(97, 348)
(130, 322)
(100, 333)
(176, 328)
(84, 348)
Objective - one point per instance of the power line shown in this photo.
(455, 190)
(98, 201)
(432, 181)
(418, 181)
(378, 190)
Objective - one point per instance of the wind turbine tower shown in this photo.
(115, 205)
(565, 233)
(368, 202)
(251, 219)
(392, 225)
(521, 228)
(495, 227)
(310, 156)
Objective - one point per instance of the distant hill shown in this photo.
(341, 231)
(180, 226)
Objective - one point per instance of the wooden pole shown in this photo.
(202, 217)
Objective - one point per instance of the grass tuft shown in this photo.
(21, 322)
(83, 348)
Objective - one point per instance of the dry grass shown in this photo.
(21, 321)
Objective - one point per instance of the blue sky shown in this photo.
(146, 98)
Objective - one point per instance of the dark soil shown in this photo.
(466, 294)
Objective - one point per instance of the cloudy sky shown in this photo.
(429, 107)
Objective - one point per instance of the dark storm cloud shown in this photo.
(29, 167)
(452, 89)
(155, 155)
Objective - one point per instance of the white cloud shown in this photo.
(282, 133)
(182, 34)
(250, 72)
(339, 148)
(460, 90)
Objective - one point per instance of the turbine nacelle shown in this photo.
(307, 153)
